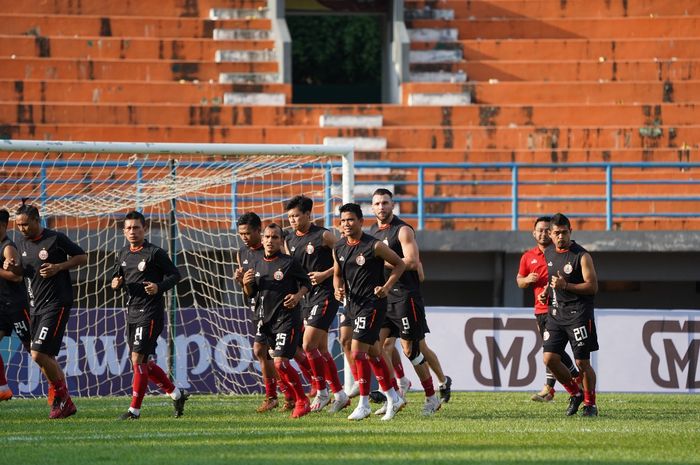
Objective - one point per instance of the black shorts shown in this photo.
(47, 330)
(406, 319)
(15, 318)
(319, 311)
(541, 322)
(143, 336)
(581, 334)
(344, 319)
(262, 337)
(367, 322)
(282, 336)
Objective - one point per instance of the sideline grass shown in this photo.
(498, 428)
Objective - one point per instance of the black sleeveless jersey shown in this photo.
(409, 283)
(565, 305)
(147, 263)
(275, 277)
(362, 271)
(12, 295)
(311, 252)
(50, 247)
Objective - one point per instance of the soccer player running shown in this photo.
(405, 315)
(146, 272)
(533, 272)
(47, 256)
(358, 279)
(573, 283)
(312, 247)
(278, 283)
(14, 308)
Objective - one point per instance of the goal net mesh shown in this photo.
(192, 203)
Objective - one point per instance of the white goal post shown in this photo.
(191, 195)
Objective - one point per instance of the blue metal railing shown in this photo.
(434, 190)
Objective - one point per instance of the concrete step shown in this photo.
(515, 9)
(350, 121)
(439, 76)
(557, 28)
(248, 78)
(438, 99)
(250, 56)
(434, 34)
(435, 56)
(159, 70)
(138, 48)
(361, 144)
(172, 8)
(253, 98)
(121, 26)
(238, 13)
(570, 49)
(427, 12)
(241, 34)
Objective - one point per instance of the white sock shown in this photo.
(135, 411)
(175, 395)
(392, 395)
(338, 395)
(322, 393)
(364, 402)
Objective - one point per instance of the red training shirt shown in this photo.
(533, 261)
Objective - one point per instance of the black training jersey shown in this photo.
(275, 278)
(566, 305)
(310, 250)
(361, 269)
(50, 247)
(247, 258)
(12, 295)
(409, 283)
(146, 263)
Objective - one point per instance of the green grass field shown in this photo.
(500, 428)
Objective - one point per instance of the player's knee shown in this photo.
(260, 352)
(550, 358)
(414, 354)
(583, 364)
(37, 357)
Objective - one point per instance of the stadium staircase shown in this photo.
(532, 81)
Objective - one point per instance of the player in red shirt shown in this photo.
(533, 272)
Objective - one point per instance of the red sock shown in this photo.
(285, 389)
(332, 372)
(140, 384)
(364, 372)
(270, 388)
(60, 389)
(428, 386)
(291, 377)
(317, 367)
(381, 372)
(398, 366)
(589, 397)
(303, 362)
(3, 379)
(159, 377)
(353, 370)
(572, 388)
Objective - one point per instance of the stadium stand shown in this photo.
(530, 81)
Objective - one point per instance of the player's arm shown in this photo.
(249, 287)
(171, 275)
(589, 286)
(77, 257)
(339, 288)
(525, 279)
(317, 277)
(303, 282)
(398, 266)
(117, 275)
(11, 269)
(421, 272)
(238, 271)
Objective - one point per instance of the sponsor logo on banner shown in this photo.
(674, 347)
(507, 345)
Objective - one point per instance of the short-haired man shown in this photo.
(312, 247)
(405, 310)
(278, 283)
(47, 256)
(14, 308)
(533, 272)
(573, 282)
(146, 272)
(358, 279)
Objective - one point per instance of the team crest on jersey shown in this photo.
(310, 248)
(568, 268)
(278, 275)
(142, 265)
(360, 260)
(43, 254)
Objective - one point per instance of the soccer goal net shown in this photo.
(191, 195)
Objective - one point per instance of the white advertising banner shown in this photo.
(499, 349)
